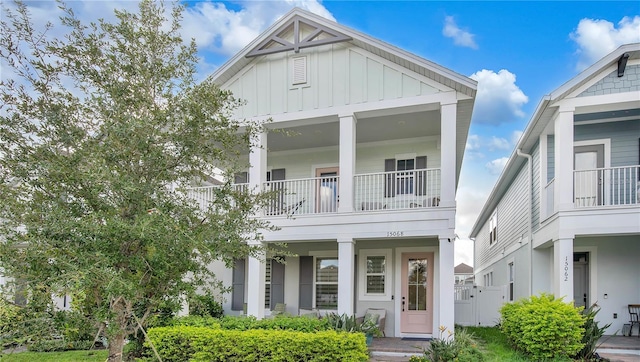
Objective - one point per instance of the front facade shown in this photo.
(564, 216)
(365, 175)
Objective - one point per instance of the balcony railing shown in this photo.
(316, 195)
(607, 186)
(397, 190)
(320, 195)
(550, 199)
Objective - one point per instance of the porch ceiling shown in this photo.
(368, 129)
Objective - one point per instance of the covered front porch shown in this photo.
(408, 278)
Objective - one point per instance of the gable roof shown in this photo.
(542, 116)
(389, 52)
(463, 268)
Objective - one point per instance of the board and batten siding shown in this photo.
(337, 74)
(537, 188)
(512, 216)
(624, 137)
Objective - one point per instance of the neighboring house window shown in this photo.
(488, 279)
(267, 284)
(375, 274)
(493, 228)
(327, 283)
(511, 279)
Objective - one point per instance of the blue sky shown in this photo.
(518, 51)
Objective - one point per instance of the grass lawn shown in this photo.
(495, 347)
(69, 356)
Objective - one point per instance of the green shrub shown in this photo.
(543, 327)
(461, 347)
(205, 305)
(58, 345)
(184, 343)
(196, 321)
(592, 333)
(75, 326)
(281, 322)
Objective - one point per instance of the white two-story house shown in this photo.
(366, 174)
(564, 216)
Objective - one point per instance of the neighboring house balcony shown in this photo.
(601, 188)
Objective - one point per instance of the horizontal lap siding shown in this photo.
(624, 137)
(513, 216)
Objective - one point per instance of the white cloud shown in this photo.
(515, 137)
(460, 37)
(473, 142)
(597, 37)
(226, 31)
(499, 100)
(496, 166)
(498, 143)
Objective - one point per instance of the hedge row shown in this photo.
(184, 343)
(244, 323)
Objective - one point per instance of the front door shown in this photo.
(327, 189)
(581, 279)
(588, 162)
(417, 293)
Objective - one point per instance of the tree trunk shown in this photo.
(116, 341)
(116, 345)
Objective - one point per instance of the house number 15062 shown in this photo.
(395, 233)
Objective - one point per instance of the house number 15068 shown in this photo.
(395, 233)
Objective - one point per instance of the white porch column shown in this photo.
(446, 284)
(563, 157)
(258, 162)
(256, 273)
(563, 269)
(347, 161)
(448, 154)
(346, 282)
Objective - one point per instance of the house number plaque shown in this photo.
(566, 268)
(391, 234)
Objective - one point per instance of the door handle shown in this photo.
(403, 304)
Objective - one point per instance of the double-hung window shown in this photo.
(374, 274)
(511, 279)
(327, 283)
(405, 176)
(493, 228)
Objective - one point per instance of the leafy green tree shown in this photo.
(100, 132)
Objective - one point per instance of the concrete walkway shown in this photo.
(614, 348)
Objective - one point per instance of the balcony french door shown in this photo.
(588, 187)
(327, 189)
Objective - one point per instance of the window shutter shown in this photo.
(241, 177)
(306, 282)
(390, 179)
(237, 281)
(421, 183)
(277, 283)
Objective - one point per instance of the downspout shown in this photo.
(530, 170)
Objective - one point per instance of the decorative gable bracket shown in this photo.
(296, 34)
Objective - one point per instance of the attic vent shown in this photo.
(299, 70)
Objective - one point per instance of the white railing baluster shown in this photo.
(606, 186)
(397, 190)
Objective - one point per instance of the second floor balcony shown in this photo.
(396, 190)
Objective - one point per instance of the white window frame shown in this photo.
(407, 173)
(324, 254)
(511, 277)
(363, 254)
(493, 228)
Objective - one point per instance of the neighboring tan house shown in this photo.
(367, 176)
(463, 274)
(564, 216)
